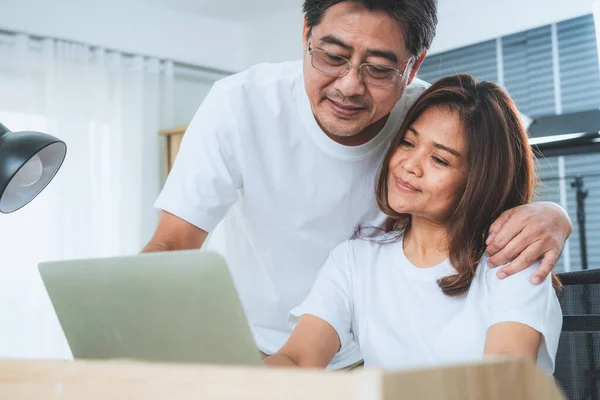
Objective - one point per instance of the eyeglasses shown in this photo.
(371, 74)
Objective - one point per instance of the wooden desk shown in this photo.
(121, 380)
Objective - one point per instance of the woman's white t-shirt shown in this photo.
(401, 319)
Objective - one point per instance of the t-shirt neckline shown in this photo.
(424, 273)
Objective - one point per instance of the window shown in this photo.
(478, 60)
(528, 70)
(579, 71)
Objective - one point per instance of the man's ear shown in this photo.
(305, 33)
(415, 67)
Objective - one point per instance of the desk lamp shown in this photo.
(28, 162)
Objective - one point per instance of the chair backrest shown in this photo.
(578, 360)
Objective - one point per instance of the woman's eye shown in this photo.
(406, 143)
(440, 161)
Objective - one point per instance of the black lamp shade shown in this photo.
(28, 162)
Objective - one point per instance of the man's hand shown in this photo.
(525, 234)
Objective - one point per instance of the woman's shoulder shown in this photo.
(365, 250)
(489, 277)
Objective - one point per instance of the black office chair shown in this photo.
(577, 369)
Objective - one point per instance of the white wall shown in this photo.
(190, 88)
(274, 38)
(141, 28)
(130, 26)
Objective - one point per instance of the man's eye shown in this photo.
(379, 72)
(333, 59)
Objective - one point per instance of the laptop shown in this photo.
(173, 307)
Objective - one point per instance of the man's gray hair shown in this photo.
(417, 18)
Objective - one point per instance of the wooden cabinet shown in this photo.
(173, 141)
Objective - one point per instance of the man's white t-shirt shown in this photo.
(371, 293)
(256, 170)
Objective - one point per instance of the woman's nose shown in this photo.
(413, 163)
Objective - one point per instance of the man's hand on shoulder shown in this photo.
(525, 234)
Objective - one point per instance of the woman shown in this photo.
(420, 293)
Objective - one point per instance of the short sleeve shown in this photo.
(206, 175)
(516, 299)
(331, 297)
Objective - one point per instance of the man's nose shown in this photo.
(351, 83)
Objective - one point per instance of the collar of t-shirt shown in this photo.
(428, 274)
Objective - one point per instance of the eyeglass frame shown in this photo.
(349, 66)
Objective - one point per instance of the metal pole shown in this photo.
(581, 195)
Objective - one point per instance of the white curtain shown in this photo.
(108, 107)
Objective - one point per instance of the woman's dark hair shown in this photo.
(417, 18)
(500, 165)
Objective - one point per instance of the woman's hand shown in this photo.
(525, 234)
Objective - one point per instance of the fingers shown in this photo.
(497, 225)
(507, 232)
(526, 259)
(511, 250)
(548, 264)
(522, 236)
